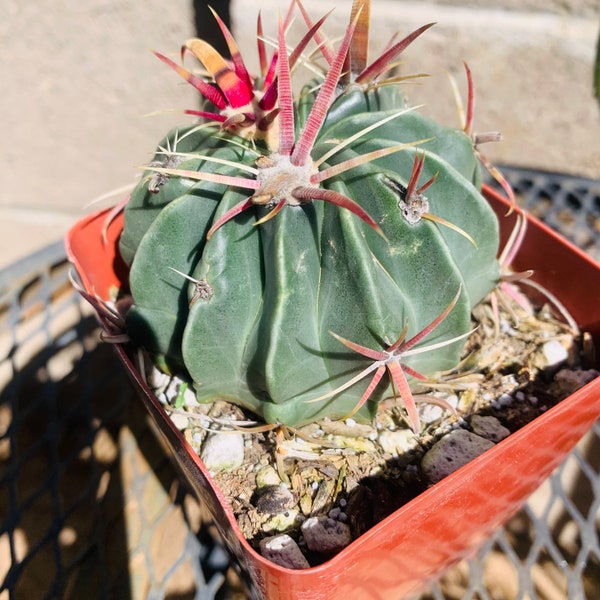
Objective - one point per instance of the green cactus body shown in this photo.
(254, 327)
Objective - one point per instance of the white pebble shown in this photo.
(397, 442)
(428, 413)
(223, 451)
(158, 380)
(189, 398)
(180, 421)
(554, 353)
(452, 400)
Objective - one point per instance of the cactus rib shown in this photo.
(245, 249)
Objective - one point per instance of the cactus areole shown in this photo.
(284, 248)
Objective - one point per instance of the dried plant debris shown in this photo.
(302, 495)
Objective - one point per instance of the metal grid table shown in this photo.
(90, 507)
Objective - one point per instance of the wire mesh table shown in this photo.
(90, 506)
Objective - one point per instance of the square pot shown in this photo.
(450, 520)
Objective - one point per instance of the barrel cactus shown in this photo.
(283, 249)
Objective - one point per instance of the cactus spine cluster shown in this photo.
(283, 248)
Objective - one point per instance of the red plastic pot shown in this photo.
(450, 520)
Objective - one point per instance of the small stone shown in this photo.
(282, 522)
(283, 551)
(273, 499)
(334, 513)
(505, 400)
(574, 379)
(180, 421)
(354, 443)
(452, 452)
(397, 442)
(489, 428)
(223, 451)
(428, 413)
(267, 475)
(326, 535)
(189, 398)
(554, 353)
(452, 400)
(158, 380)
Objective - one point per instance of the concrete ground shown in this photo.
(78, 80)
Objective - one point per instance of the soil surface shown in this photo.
(351, 475)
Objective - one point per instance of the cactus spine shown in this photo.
(283, 249)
